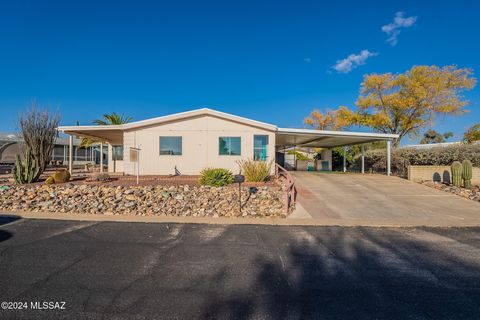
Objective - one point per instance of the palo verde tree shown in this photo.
(332, 120)
(472, 134)
(325, 121)
(406, 103)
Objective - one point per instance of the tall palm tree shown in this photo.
(112, 119)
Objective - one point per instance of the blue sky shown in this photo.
(272, 61)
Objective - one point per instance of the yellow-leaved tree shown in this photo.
(405, 103)
(325, 121)
(472, 134)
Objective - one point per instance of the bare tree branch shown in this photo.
(39, 131)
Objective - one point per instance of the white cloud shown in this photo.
(307, 60)
(399, 22)
(352, 61)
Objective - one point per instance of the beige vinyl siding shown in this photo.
(200, 145)
(128, 142)
(116, 166)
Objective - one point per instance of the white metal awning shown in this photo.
(290, 137)
(111, 134)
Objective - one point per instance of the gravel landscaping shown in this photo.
(186, 200)
(472, 194)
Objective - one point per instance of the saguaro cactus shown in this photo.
(27, 171)
(467, 173)
(457, 173)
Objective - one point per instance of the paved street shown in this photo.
(142, 271)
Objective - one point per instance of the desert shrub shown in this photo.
(299, 155)
(216, 177)
(255, 171)
(375, 160)
(337, 158)
(101, 177)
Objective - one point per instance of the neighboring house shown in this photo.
(289, 157)
(11, 145)
(190, 141)
(434, 145)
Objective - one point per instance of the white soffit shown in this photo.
(325, 138)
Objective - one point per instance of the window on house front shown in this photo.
(171, 146)
(117, 153)
(260, 145)
(229, 146)
(58, 152)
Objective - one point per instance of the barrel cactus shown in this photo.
(58, 177)
(26, 171)
(457, 170)
(50, 180)
(467, 173)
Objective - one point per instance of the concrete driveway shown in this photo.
(112, 270)
(352, 199)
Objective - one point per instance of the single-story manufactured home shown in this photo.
(188, 142)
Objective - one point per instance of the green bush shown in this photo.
(299, 155)
(101, 177)
(216, 177)
(255, 171)
(375, 160)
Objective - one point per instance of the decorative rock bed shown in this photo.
(472, 194)
(145, 200)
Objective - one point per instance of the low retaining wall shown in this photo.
(145, 200)
(437, 173)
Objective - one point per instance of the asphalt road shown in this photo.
(143, 271)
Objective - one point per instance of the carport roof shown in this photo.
(290, 137)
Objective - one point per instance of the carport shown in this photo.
(290, 137)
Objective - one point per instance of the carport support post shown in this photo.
(363, 158)
(389, 160)
(70, 155)
(101, 156)
(344, 159)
